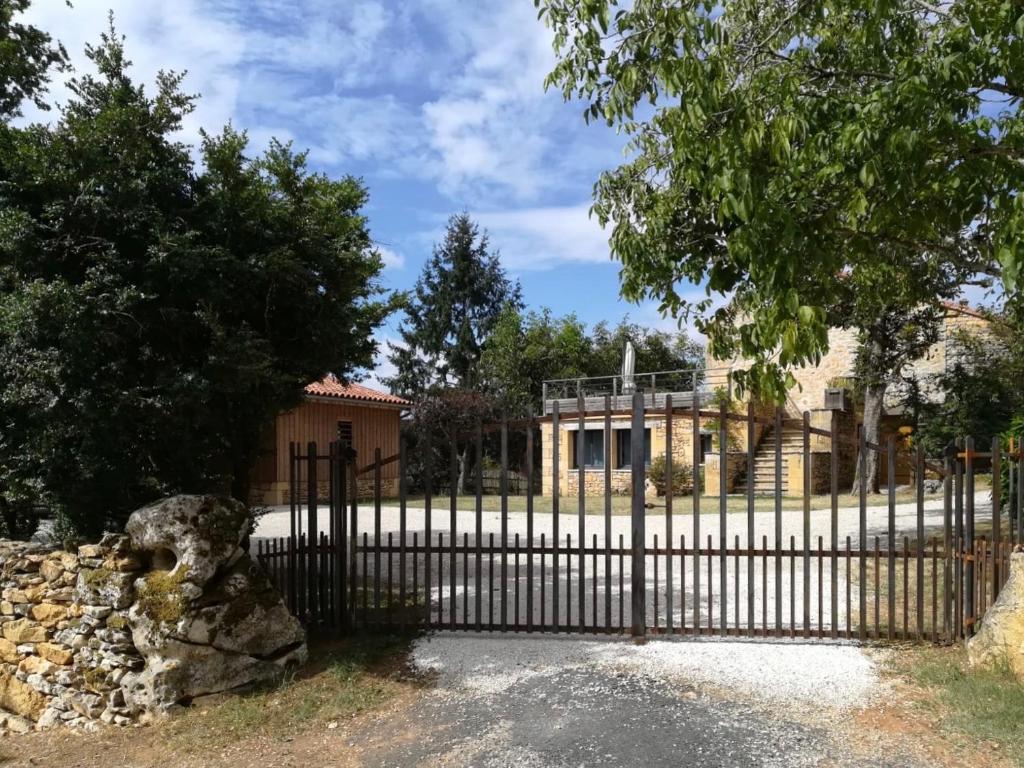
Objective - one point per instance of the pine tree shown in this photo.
(453, 310)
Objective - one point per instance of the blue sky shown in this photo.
(438, 104)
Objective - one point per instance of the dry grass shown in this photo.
(343, 680)
(979, 710)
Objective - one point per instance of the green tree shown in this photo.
(776, 146)
(155, 318)
(451, 313)
(27, 55)
(527, 349)
(897, 314)
(655, 350)
(978, 393)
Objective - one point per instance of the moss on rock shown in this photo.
(160, 597)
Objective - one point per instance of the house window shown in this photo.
(593, 449)
(623, 447)
(345, 434)
(705, 445)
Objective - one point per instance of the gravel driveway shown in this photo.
(502, 701)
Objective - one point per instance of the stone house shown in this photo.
(807, 396)
(363, 418)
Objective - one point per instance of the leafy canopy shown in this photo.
(776, 146)
(154, 317)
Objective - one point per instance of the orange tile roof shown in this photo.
(330, 386)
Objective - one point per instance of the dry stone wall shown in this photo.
(139, 623)
(65, 642)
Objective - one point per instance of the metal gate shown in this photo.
(907, 565)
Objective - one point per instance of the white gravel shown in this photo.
(823, 677)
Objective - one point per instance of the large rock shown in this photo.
(1000, 638)
(19, 698)
(206, 619)
(200, 533)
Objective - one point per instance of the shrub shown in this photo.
(682, 477)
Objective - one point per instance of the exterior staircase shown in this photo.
(764, 461)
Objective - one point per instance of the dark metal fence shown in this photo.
(922, 568)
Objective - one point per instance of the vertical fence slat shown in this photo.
(479, 530)
(778, 520)
(453, 500)
(697, 488)
(639, 522)
(402, 527)
(428, 503)
(504, 525)
(969, 541)
(750, 517)
(354, 554)
(556, 491)
(997, 513)
(891, 534)
(376, 532)
(543, 584)
(807, 525)
(834, 526)
(312, 582)
(862, 526)
(582, 510)
(723, 509)
(607, 512)
(529, 522)
(919, 531)
(669, 494)
(947, 522)
(293, 542)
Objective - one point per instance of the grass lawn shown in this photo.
(569, 505)
(981, 710)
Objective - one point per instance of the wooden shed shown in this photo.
(355, 414)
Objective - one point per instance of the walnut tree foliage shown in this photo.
(778, 145)
(155, 312)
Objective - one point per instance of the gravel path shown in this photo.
(501, 701)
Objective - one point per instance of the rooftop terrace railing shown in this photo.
(655, 384)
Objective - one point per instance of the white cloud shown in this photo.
(383, 368)
(438, 90)
(538, 238)
(391, 259)
(491, 124)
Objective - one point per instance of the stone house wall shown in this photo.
(839, 361)
(621, 479)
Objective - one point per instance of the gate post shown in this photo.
(638, 580)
